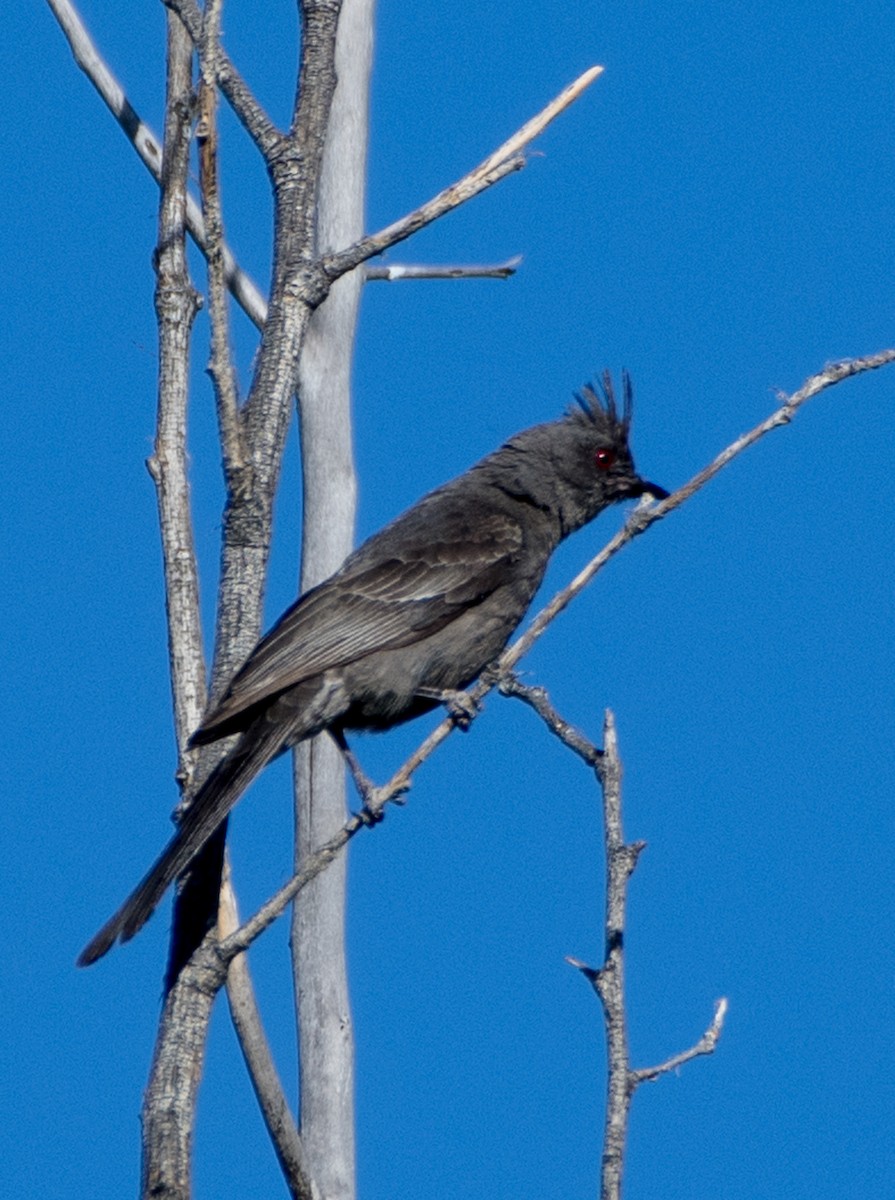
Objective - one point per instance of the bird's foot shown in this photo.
(461, 707)
(370, 816)
(362, 781)
(372, 811)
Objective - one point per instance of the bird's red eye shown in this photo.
(604, 459)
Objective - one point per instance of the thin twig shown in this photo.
(705, 1045)
(392, 272)
(537, 698)
(503, 161)
(265, 916)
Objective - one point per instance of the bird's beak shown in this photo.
(653, 489)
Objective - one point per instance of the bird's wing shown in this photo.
(404, 584)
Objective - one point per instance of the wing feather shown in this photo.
(404, 584)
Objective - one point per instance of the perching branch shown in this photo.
(645, 515)
(640, 519)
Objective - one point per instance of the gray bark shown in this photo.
(325, 1034)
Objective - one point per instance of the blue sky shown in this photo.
(715, 215)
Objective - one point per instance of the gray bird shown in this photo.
(413, 615)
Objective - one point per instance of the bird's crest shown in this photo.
(597, 406)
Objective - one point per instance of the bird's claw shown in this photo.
(370, 816)
(461, 708)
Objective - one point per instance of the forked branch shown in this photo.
(608, 981)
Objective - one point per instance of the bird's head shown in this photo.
(582, 463)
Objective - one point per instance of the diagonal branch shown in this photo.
(97, 71)
(503, 161)
(705, 1045)
(645, 515)
(641, 518)
(259, 1059)
(243, 289)
(537, 698)
(257, 123)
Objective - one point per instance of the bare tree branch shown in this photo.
(247, 530)
(240, 991)
(176, 304)
(326, 1050)
(167, 1141)
(537, 698)
(705, 1045)
(259, 1060)
(258, 125)
(609, 980)
(241, 286)
(645, 515)
(244, 290)
(503, 161)
(220, 367)
(95, 68)
(395, 271)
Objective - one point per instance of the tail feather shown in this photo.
(211, 804)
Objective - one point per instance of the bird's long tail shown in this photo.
(211, 804)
